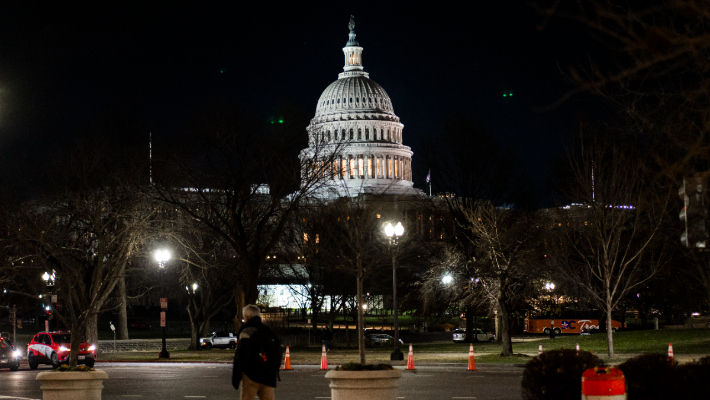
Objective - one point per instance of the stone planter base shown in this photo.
(358, 385)
(71, 385)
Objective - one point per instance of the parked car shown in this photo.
(135, 324)
(380, 339)
(220, 340)
(480, 336)
(9, 357)
(53, 348)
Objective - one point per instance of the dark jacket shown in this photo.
(250, 342)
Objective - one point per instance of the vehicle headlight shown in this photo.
(17, 354)
(91, 348)
(62, 348)
(202, 340)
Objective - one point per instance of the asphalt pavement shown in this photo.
(170, 381)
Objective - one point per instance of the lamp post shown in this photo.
(49, 281)
(550, 287)
(162, 256)
(394, 232)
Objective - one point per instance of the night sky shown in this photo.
(62, 67)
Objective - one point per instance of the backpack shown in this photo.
(270, 350)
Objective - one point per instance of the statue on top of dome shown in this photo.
(351, 25)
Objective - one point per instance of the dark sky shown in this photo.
(61, 66)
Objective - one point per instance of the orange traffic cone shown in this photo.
(410, 358)
(323, 361)
(539, 350)
(287, 360)
(670, 352)
(471, 359)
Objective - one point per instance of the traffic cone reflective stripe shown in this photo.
(287, 360)
(670, 352)
(410, 358)
(539, 350)
(323, 360)
(471, 359)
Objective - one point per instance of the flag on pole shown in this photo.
(428, 176)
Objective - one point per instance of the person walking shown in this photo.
(257, 359)
(327, 337)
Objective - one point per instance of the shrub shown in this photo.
(363, 367)
(557, 374)
(650, 377)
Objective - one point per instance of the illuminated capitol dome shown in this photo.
(355, 122)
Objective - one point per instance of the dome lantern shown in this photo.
(353, 54)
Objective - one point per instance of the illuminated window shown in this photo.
(389, 167)
(369, 167)
(344, 170)
(378, 215)
(305, 237)
(317, 238)
(379, 166)
(361, 167)
(353, 168)
(396, 169)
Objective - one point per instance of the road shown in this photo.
(170, 381)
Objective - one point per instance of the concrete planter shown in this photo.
(72, 385)
(358, 385)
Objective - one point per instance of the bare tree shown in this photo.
(241, 183)
(507, 259)
(86, 229)
(359, 248)
(609, 242)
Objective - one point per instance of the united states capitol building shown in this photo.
(356, 130)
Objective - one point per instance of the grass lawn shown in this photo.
(685, 341)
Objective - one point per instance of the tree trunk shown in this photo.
(504, 324)
(470, 336)
(92, 327)
(122, 310)
(609, 332)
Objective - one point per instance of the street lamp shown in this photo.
(549, 286)
(394, 232)
(162, 256)
(49, 281)
(446, 279)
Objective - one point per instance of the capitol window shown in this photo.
(367, 133)
(359, 134)
(360, 167)
(353, 168)
(369, 167)
(344, 168)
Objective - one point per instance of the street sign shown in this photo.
(162, 319)
(163, 302)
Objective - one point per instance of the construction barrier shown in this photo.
(287, 360)
(410, 359)
(602, 383)
(323, 361)
(471, 359)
